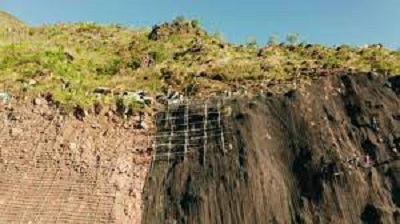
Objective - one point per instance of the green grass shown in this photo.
(71, 60)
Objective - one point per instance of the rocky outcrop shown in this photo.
(325, 153)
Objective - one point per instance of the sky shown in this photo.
(331, 22)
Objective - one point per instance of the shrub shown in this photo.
(273, 40)
(196, 23)
(293, 38)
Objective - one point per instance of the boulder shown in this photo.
(37, 101)
(102, 90)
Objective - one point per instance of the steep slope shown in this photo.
(11, 28)
(292, 159)
(8, 20)
(57, 169)
(280, 158)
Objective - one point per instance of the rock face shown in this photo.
(326, 153)
(175, 28)
(56, 168)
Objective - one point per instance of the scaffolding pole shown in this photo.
(221, 127)
(205, 133)
(186, 127)
(170, 135)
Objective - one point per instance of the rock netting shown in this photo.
(326, 152)
(58, 169)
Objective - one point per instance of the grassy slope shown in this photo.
(11, 28)
(71, 60)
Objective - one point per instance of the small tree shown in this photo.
(273, 40)
(293, 38)
(180, 20)
(196, 23)
(252, 43)
(218, 35)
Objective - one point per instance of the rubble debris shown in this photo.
(37, 101)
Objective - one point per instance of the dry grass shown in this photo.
(71, 60)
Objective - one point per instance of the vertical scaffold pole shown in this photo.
(154, 145)
(186, 128)
(205, 133)
(220, 126)
(171, 124)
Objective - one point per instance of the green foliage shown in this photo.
(196, 23)
(218, 35)
(273, 40)
(252, 43)
(160, 54)
(72, 60)
(293, 38)
(179, 20)
(113, 67)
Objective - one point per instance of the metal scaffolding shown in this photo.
(188, 128)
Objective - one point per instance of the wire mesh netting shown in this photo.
(187, 127)
(43, 182)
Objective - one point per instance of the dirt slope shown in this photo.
(288, 160)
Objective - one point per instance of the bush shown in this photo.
(252, 43)
(196, 23)
(179, 20)
(273, 40)
(160, 54)
(111, 68)
(293, 38)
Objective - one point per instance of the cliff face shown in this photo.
(325, 153)
(58, 169)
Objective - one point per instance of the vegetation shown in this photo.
(69, 61)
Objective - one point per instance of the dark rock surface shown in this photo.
(325, 153)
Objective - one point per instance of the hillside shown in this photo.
(173, 124)
(69, 61)
(11, 28)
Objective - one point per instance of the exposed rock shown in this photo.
(102, 90)
(16, 132)
(308, 150)
(32, 82)
(37, 101)
(73, 146)
(79, 113)
(4, 97)
(177, 27)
